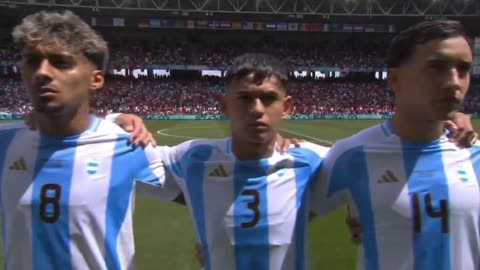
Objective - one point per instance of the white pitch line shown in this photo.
(306, 136)
(162, 132)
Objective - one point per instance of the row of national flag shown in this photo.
(243, 25)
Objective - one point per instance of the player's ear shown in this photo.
(392, 78)
(98, 80)
(287, 107)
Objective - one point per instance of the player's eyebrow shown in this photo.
(31, 54)
(244, 91)
(271, 92)
(447, 57)
(450, 61)
(51, 54)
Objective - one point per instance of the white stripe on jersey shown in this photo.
(282, 230)
(394, 194)
(218, 198)
(85, 237)
(17, 196)
(464, 201)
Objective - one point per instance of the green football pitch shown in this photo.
(163, 232)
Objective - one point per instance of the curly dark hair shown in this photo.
(65, 29)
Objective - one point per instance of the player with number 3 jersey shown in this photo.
(247, 200)
(248, 214)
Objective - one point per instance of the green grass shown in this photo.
(163, 231)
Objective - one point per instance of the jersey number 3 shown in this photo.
(253, 205)
(50, 202)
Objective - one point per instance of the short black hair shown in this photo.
(403, 45)
(262, 65)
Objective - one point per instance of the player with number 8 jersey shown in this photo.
(67, 203)
(66, 190)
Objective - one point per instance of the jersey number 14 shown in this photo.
(441, 212)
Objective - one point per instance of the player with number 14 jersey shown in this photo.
(419, 204)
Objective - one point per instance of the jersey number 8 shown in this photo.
(50, 202)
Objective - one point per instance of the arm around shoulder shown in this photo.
(330, 186)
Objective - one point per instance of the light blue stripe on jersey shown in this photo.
(51, 241)
(5, 139)
(306, 164)
(386, 128)
(475, 159)
(431, 246)
(94, 123)
(350, 171)
(119, 195)
(194, 159)
(252, 243)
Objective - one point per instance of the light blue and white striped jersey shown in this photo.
(247, 214)
(419, 204)
(67, 203)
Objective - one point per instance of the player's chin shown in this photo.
(446, 115)
(49, 108)
(260, 137)
(445, 111)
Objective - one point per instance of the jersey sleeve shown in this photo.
(155, 180)
(178, 158)
(112, 117)
(330, 186)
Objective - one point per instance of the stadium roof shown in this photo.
(292, 8)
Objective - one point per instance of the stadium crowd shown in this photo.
(363, 55)
(132, 53)
(165, 96)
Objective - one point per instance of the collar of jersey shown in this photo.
(433, 145)
(263, 162)
(70, 140)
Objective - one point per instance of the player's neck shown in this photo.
(413, 130)
(252, 151)
(68, 124)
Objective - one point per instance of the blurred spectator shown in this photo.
(165, 96)
(132, 53)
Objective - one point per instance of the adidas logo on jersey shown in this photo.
(388, 177)
(219, 172)
(18, 165)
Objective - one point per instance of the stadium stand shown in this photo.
(165, 96)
